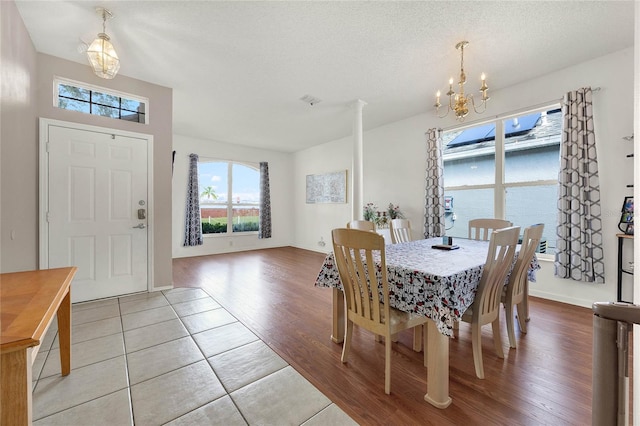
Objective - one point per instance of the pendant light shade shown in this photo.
(102, 56)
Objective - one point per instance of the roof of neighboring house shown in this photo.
(524, 132)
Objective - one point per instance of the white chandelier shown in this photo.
(102, 56)
(459, 102)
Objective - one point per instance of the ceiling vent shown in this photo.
(308, 99)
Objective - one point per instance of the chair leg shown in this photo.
(346, 345)
(522, 316)
(525, 302)
(417, 338)
(387, 365)
(476, 343)
(425, 329)
(497, 338)
(508, 307)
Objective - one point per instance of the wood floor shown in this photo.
(547, 380)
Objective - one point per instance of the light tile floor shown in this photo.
(175, 357)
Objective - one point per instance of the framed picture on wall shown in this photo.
(626, 217)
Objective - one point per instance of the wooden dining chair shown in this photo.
(480, 229)
(485, 308)
(363, 225)
(516, 292)
(366, 307)
(400, 230)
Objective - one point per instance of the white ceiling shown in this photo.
(238, 69)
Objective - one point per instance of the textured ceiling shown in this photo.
(238, 69)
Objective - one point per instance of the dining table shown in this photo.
(437, 283)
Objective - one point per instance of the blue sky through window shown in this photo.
(246, 182)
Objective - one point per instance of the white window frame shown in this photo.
(500, 186)
(229, 203)
(57, 80)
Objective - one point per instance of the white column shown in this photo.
(357, 174)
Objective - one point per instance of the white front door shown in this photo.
(97, 210)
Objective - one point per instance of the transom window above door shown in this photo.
(88, 99)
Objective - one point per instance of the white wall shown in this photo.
(394, 163)
(314, 222)
(280, 182)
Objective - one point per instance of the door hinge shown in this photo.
(48, 217)
(47, 147)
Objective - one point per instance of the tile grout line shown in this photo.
(126, 367)
(207, 359)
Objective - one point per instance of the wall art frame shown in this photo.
(327, 188)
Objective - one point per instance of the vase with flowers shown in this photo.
(394, 212)
(369, 212)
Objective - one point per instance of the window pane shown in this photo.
(245, 219)
(74, 105)
(466, 205)
(214, 219)
(212, 180)
(131, 116)
(469, 156)
(534, 204)
(105, 111)
(246, 185)
(130, 105)
(532, 147)
(73, 92)
(104, 99)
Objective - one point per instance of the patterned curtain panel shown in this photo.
(264, 227)
(434, 195)
(192, 228)
(579, 255)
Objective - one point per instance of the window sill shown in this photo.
(234, 234)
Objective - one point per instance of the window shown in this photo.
(229, 197)
(99, 101)
(507, 168)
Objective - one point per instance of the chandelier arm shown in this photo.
(445, 114)
(473, 103)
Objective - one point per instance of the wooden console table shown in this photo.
(28, 302)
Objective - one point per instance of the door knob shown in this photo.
(139, 226)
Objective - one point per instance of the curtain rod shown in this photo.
(509, 114)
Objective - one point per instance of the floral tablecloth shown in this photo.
(439, 284)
